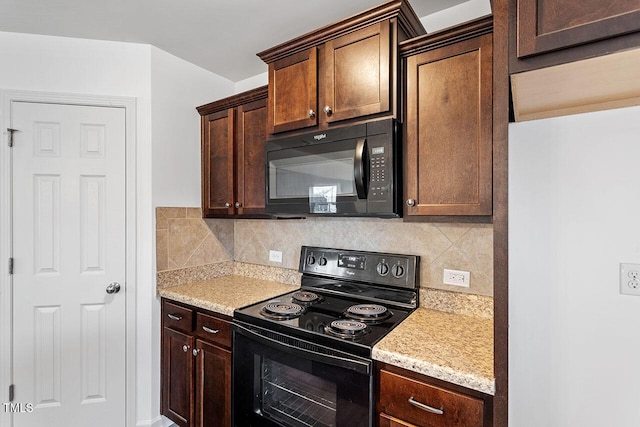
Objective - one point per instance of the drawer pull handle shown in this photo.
(425, 407)
(211, 331)
(174, 317)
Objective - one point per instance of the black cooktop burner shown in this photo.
(349, 329)
(306, 297)
(281, 310)
(368, 312)
(344, 302)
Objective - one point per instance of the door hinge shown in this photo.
(11, 132)
(10, 265)
(12, 390)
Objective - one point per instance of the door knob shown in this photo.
(411, 202)
(238, 204)
(227, 205)
(328, 110)
(311, 113)
(113, 288)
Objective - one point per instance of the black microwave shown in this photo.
(348, 171)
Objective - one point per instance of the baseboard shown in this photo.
(159, 421)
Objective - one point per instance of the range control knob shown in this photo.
(322, 261)
(382, 268)
(397, 271)
(311, 260)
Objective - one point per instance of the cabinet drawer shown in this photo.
(387, 421)
(177, 317)
(410, 401)
(213, 329)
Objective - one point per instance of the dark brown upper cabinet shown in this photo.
(233, 135)
(551, 32)
(341, 72)
(449, 114)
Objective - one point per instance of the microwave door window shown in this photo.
(313, 176)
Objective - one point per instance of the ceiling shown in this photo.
(222, 36)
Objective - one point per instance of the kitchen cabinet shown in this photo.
(233, 135)
(551, 32)
(448, 122)
(196, 366)
(409, 399)
(573, 56)
(345, 71)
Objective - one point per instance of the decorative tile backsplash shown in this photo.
(467, 247)
(184, 240)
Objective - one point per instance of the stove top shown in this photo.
(348, 300)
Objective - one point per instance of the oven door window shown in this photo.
(274, 387)
(295, 397)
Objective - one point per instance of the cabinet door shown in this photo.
(217, 163)
(356, 74)
(213, 386)
(293, 93)
(448, 156)
(177, 377)
(548, 25)
(250, 185)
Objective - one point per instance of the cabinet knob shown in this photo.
(238, 204)
(311, 113)
(185, 348)
(411, 202)
(196, 351)
(227, 205)
(328, 110)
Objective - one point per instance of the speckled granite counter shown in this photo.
(452, 347)
(225, 294)
(456, 348)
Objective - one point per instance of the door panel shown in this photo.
(293, 96)
(357, 74)
(68, 246)
(250, 156)
(217, 163)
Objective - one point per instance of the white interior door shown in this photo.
(68, 246)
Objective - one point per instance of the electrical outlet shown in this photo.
(275, 256)
(629, 279)
(456, 278)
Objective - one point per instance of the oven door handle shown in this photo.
(351, 363)
(361, 168)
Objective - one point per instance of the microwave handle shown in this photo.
(361, 168)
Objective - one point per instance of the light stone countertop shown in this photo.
(451, 347)
(225, 294)
(455, 348)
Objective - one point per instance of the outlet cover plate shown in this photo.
(275, 256)
(629, 279)
(456, 278)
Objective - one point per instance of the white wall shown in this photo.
(177, 88)
(462, 12)
(574, 215)
(167, 90)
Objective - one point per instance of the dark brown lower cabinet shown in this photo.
(408, 399)
(196, 366)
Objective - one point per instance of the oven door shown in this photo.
(328, 178)
(283, 381)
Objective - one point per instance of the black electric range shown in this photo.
(348, 299)
(304, 358)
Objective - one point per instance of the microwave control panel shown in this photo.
(379, 173)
